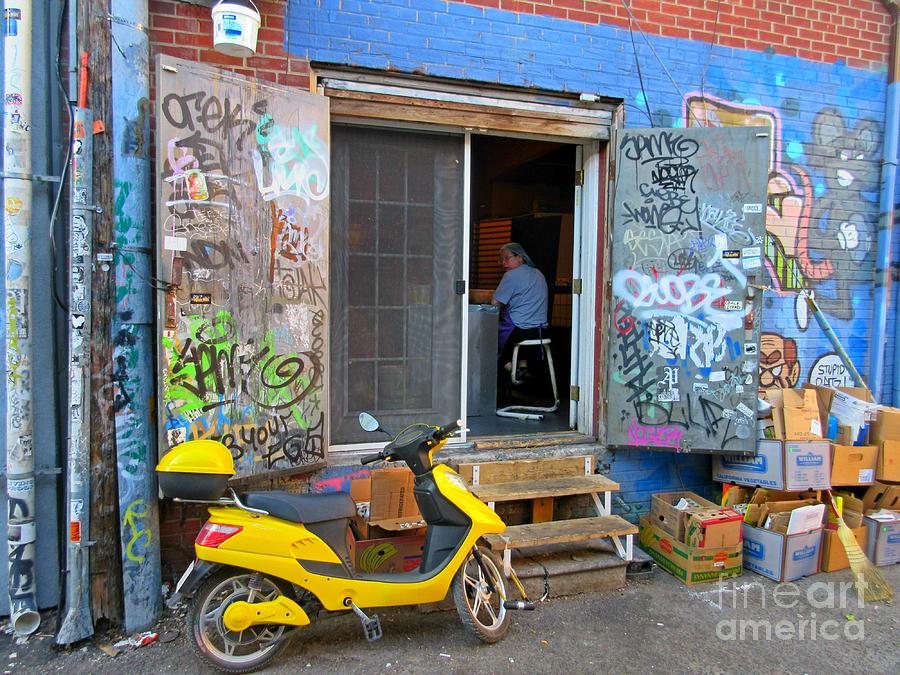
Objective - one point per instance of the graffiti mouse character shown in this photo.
(841, 230)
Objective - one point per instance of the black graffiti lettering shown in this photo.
(668, 217)
(650, 147)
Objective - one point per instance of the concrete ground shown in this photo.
(748, 625)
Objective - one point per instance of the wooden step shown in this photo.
(560, 532)
(537, 489)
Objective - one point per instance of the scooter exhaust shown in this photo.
(518, 604)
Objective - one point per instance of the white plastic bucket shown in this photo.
(234, 28)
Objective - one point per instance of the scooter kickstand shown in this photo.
(371, 625)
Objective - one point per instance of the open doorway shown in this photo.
(521, 191)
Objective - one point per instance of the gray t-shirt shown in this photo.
(524, 292)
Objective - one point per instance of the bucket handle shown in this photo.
(250, 1)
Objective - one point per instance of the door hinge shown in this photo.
(460, 285)
(612, 169)
(579, 177)
(576, 286)
(574, 392)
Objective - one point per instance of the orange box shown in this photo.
(713, 528)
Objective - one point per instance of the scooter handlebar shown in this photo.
(368, 459)
(447, 430)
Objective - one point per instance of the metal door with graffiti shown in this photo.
(242, 239)
(687, 237)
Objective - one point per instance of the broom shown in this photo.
(866, 577)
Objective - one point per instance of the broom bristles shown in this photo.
(868, 580)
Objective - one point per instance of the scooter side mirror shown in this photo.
(368, 422)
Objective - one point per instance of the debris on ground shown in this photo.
(137, 640)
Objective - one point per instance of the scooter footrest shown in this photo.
(372, 628)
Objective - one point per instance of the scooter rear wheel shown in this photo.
(480, 609)
(234, 652)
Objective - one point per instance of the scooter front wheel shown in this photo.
(480, 609)
(227, 650)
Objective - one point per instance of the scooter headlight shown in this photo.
(457, 480)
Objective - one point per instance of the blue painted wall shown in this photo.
(827, 120)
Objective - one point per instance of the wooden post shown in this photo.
(105, 565)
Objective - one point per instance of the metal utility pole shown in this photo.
(17, 191)
(133, 320)
(77, 624)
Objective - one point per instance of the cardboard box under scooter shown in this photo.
(781, 557)
(692, 565)
(780, 465)
(388, 554)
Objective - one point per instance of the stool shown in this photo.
(528, 412)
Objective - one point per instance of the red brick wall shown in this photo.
(185, 31)
(857, 31)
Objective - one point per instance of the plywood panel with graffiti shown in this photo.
(242, 234)
(687, 248)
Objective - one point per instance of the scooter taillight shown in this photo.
(213, 534)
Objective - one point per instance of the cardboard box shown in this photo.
(787, 465)
(781, 557)
(713, 528)
(883, 545)
(386, 500)
(689, 564)
(670, 519)
(888, 467)
(834, 557)
(764, 469)
(853, 464)
(388, 554)
(807, 466)
(796, 415)
(882, 496)
(886, 426)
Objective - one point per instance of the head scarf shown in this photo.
(516, 249)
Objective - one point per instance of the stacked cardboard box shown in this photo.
(692, 538)
(782, 531)
(389, 529)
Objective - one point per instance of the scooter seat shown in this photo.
(315, 508)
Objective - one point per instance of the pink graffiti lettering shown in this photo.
(663, 436)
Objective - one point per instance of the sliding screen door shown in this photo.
(396, 253)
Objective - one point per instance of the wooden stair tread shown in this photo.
(561, 531)
(551, 487)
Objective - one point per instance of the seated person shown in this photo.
(522, 299)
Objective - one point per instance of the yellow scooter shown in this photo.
(268, 562)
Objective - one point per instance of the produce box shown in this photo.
(691, 565)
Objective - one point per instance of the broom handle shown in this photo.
(836, 343)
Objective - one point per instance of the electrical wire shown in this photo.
(656, 56)
(65, 169)
(637, 63)
(715, 37)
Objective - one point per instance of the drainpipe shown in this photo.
(134, 343)
(886, 218)
(17, 192)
